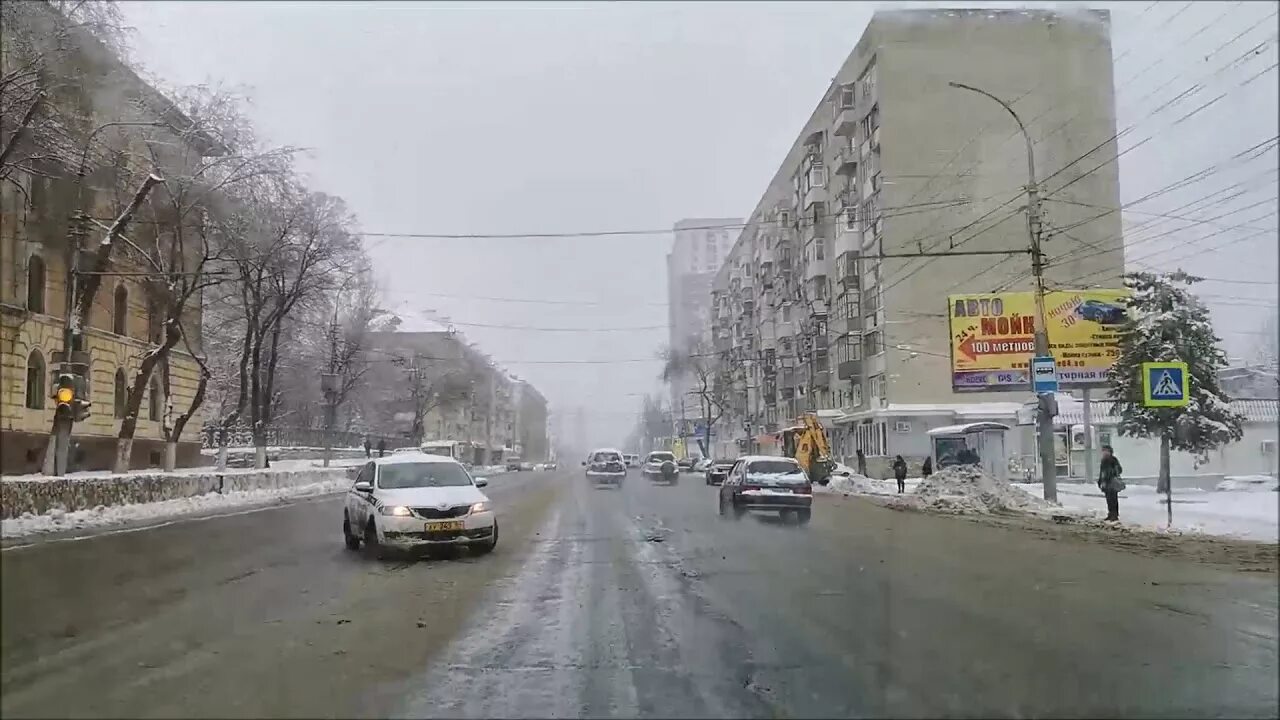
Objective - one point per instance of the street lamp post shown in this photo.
(1045, 402)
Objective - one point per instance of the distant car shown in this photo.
(606, 467)
(1101, 312)
(408, 501)
(551, 466)
(769, 484)
(514, 464)
(686, 464)
(660, 465)
(633, 460)
(701, 465)
(526, 466)
(718, 470)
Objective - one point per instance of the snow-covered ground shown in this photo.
(1245, 507)
(103, 516)
(1242, 513)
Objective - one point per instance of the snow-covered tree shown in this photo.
(1168, 323)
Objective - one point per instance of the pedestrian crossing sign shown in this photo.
(1165, 384)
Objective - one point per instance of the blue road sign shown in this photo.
(1165, 384)
(1044, 375)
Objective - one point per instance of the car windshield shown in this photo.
(393, 476)
(661, 457)
(781, 471)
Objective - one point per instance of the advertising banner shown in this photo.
(992, 338)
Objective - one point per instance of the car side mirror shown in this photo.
(363, 486)
(481, 482)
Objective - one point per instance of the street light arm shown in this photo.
(1026, 136)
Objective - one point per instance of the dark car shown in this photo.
(769, 484)
(1101, 312)
(686, 464)
(718, 471)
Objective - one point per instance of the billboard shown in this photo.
(992, 338)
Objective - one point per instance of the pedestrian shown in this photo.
(368, 447)
(862, 463)
(1109, 482)
(927, 469)
(382, 447)
(900, 472)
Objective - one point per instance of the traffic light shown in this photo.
(69, 395)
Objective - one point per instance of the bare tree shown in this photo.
(710, 375)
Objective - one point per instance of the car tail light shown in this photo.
(750, 487)
(805, 489)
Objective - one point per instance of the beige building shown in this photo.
(895, 161)
(35, 209)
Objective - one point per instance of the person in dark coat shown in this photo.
(900, 472)
(1109, 482)
(382, 447)
(368, 447)
(862, 463)
(927, 469)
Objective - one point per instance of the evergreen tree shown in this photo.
(1168, 323)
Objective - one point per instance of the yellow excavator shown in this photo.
(807, 443)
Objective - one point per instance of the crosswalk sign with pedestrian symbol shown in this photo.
(1165, 384)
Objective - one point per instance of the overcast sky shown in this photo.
(561, 117)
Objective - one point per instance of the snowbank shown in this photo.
(1229, 513)
(1248, 483)
(39, 494)
(60, 520)
(488, 470)
(965, 489)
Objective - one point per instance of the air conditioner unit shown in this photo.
(902, 427)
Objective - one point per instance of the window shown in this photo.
(784, 218)
(820, 249)
(877, 386)
(817, 176)
(155, 409)
(120, 311)
(35, 381)
(821, 362)
(855, 394)
(872, 344)
(35, 284)
(786, 312)
(846, 98)
(121, 393)
(818, 212)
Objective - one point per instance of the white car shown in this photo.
(654, 464)
(606, 467)
(413, 500)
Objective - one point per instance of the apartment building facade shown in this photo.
(826, 302)
(697, 251)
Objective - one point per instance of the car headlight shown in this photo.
(395, 510)
(481, 507)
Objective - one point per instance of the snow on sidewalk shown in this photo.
(58, 520)
(1239, 513)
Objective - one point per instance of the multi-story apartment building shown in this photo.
(531, 434)
(92, 113)
(825, 303)
(699, 248)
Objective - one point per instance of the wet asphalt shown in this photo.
(623, 603)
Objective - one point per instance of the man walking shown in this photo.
(382, 447)
(862, 463)
(368, 447)
(900, 472)
(1109, 482)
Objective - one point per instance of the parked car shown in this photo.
(408, 501)
(685, 464)
(514, 464)
(718, 470)
(633, 460)
(526, 466)
(768, 484)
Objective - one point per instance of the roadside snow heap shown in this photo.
(850, 484)
(965, 490)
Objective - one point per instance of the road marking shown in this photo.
(176, 521)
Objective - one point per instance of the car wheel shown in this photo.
(802, 516)
(738, 511)
(372, 548)
(488, 547)
(353, 542)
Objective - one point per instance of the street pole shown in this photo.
(1045, 403)
(1088, 435)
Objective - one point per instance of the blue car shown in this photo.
(1101, 312)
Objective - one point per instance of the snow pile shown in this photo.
(59, 520)
(965, 489)
(850, 484)
(1248, 483)
(487, 470)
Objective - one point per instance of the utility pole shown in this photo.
(329, 386)
(1047, 406)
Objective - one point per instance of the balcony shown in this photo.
(787, 393)
(846, 160)
(818, 307)
(846, 122)
(822, 378)
(816, 193)
(815, 269)
(849, 370)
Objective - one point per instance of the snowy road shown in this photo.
(639, 602)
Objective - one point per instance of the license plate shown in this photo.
(444, 525)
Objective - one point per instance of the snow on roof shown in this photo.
(967, 428)
(1101, 412)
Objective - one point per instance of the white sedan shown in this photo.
(413, 500)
